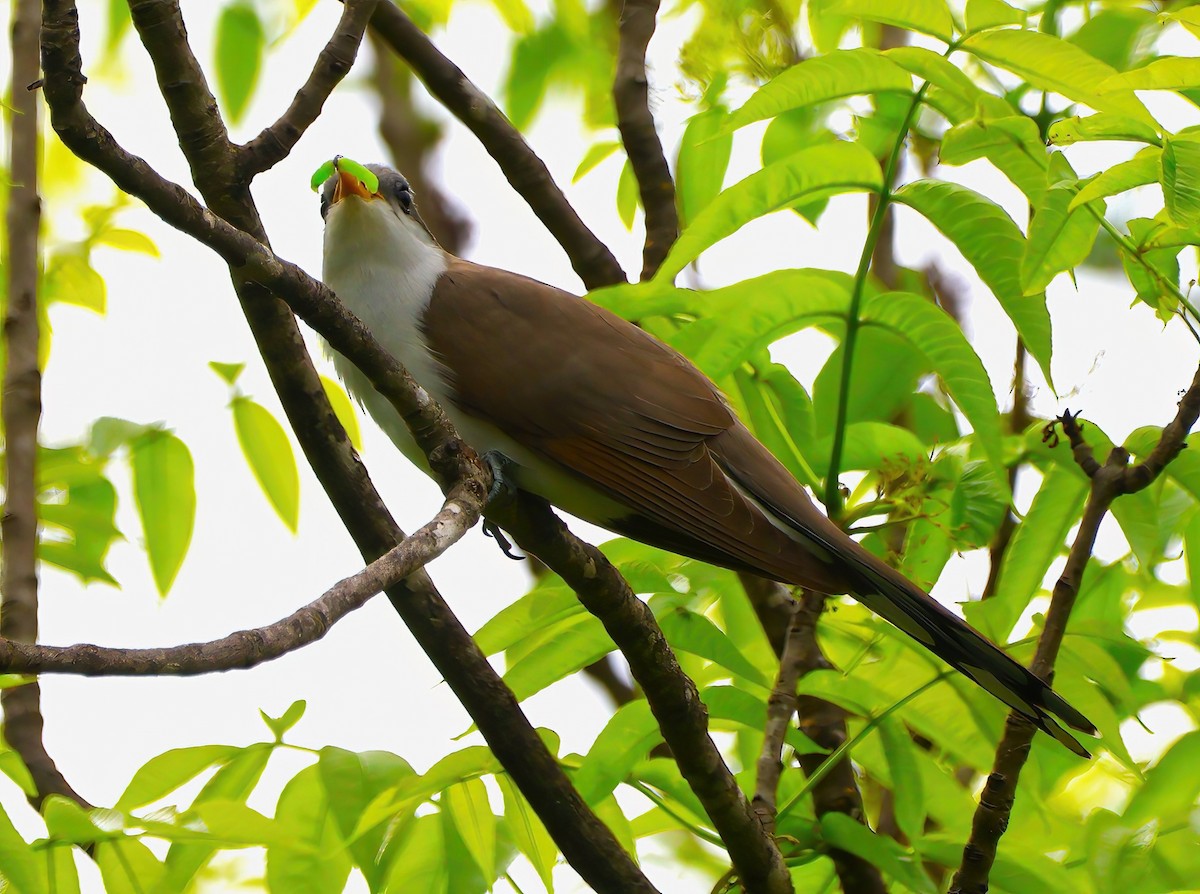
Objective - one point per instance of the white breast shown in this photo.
(384, 271)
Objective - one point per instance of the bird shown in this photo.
(611, 425)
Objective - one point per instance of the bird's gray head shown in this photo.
(348, 205)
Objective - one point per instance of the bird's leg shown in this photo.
(503, 488)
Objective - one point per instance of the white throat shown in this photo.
(383, 266)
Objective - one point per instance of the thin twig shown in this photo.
(1108, 482)
(333, 63)
(586, 843)
(781, 706)
(525, 171)
(631, 95)
(22, 408)
(249, 648)
(672, 695)
(412, 138)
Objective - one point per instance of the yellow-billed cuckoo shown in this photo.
(611, 425)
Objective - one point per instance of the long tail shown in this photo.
(888, 593)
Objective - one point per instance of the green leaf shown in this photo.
(352, 782)
(343, 408)
(840, 831)
(933, 332)
(527, 830)
(1169, 793)
(691, 632)
(752, 314)
(19, 865)
(835, 75)
(576, 643)
(1101, 126)
(926, 16)
(128, 240)
(232, 782)
(806, 175)
(738, 707)
(550, 602)
(935, 69)
(163, 774)
(992, 244)
(1055, 65)
(265, 445)
(421, 865)
(316, 861)
(229, 372)
(1059, 239)
(239, 49)
(164, 489)
(62, 874)
(467, 805)
(977, 505)
(983, 15)
(1181, 180)
(627, 195)
(1118, 36)
(289, 718)
(1154, 270)
(1141, 170)
(596, 153)
(627, 737)
(71, 279)
(86, 516)
(236, 825)
(1174, 73)
(703, 158)
(108, 433)
(1038, 540)
(1012, 144)
(908, 794)
(534, 58)
(127, 866)
(516, 15)
(118, 25)
(886, 369)
(869, 446)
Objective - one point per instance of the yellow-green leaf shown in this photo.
(983, 15)
(813, 173)
(1175, 73)
(343, 408)
(467, 804)
(239, 49)
(267, 449)
(835, 75)
(1181, 181)
(1141, 170)
(164, 489)
(1101, 126)
(926, 16)
(128, 240)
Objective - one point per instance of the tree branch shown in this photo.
(1109, 481)
(249, 648)
(631, 95)
(672, 695)
(587, 844)
(780, 707)
(823, 722)
(525, 171)
(21, 410)
(333, 63)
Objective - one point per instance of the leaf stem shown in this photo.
(833, 497)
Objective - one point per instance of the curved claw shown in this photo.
(502, 478)
(491, 529)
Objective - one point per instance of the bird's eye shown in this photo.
(404, 197)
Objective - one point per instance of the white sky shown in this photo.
(367, 684)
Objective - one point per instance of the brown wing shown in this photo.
(618, 408)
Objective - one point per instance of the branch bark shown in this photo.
(780, 707)
(525, 171)
(631, 95)
(1109, 481)
(249, 648)
(22, 409)
(672, 695)
(587, 844)
(333, 63)
(822, 721)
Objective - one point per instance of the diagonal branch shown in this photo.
(333, 63)
(1109, 481)
(22, 408)
(525, 171)
(249, 648)
(631, 95)
(780, 707)
(823, 722)
(587, 844)
(672, 695)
